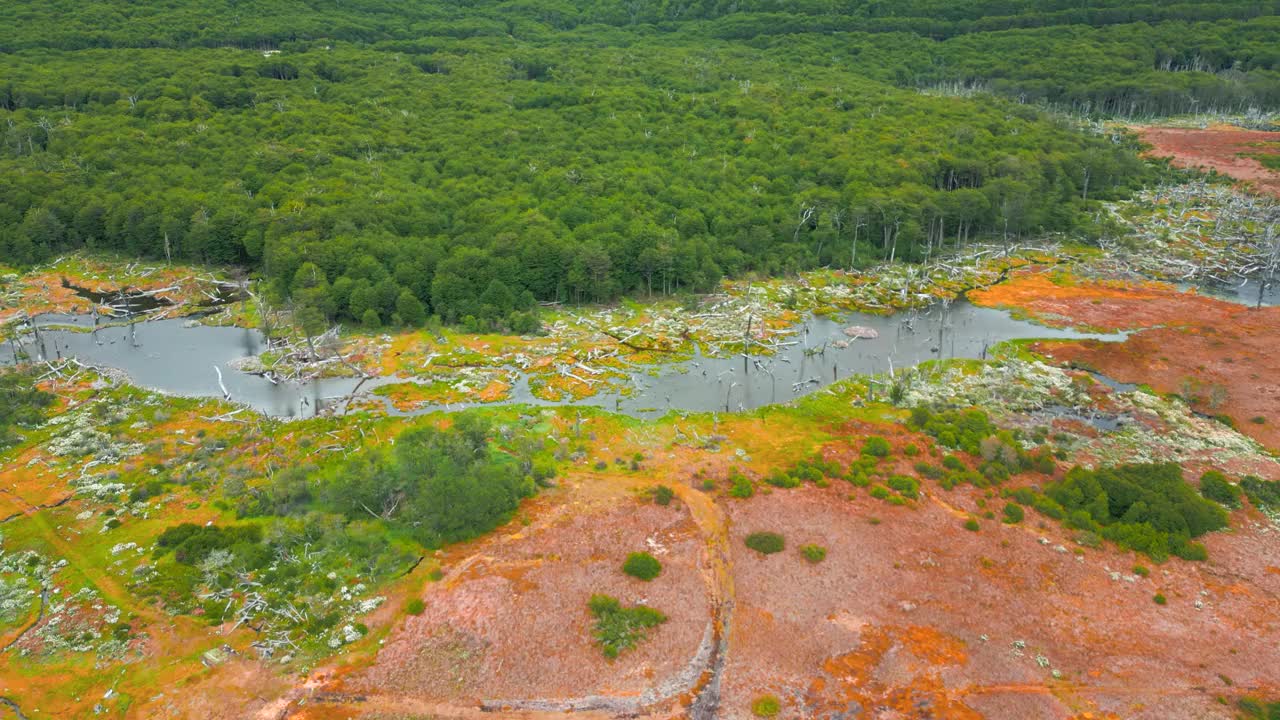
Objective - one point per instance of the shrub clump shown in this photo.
(642, 566)
(1254, 709)
(1013, 513)
(1262, 493)
(1148, 508)
(766, 543)
(766, 706)
(1160, 599)
(619, 628)
(954, 428)
(814, 553)
(662, 495)
(876, 446)
(973, 432)
(415, 606)
(908, 487)
(740, 485)
(972, 525)
(1214, 486)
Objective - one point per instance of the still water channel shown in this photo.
(179, 357)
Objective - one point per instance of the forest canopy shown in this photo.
(382, 161)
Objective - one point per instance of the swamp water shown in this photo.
(179, 358)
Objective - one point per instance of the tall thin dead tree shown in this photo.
(1273, 262)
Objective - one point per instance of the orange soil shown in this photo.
(512, 623)
(1218, 148)
(1222, 355)
(1099, 304)
(44, 292)
(893, 621)
(1230, 368)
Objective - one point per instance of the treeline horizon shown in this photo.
(470, 177)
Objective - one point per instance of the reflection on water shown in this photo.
(170, 357)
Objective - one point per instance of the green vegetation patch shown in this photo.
(642, 566)
(766, 543)
(662, 495)
(740, 485)
(314, 542)
(766, 706)
(1148, 508)
(1255, 709)
(813, 553)
(876, 446)
(21, 404)
(814, 470)
(1264, 494)
(1215, 486)
(620, 628)
(973, 432)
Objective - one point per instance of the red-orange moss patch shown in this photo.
(1099, 304)
(1223, 148)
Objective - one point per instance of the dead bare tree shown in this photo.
(1273, 262)
(806, 218)
(858, 224)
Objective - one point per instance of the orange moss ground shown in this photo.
(1223, 356)
(43, 291)
(912, 616)
(1223, 148)
(410, 396)
(1230, 368)
(1107, 305)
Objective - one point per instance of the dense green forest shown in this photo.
(381, 160)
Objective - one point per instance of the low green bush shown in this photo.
(415, 606)
(1013, 513)
(1262, 493)
(876, 446)
(1255, 709)
(662, 495)
(781, 479)
(620, 628)
(933, 472)
(1215, 486)
(766, 706)
(972, 525)
(642, 566)
(1148, 508)
(814, 553)
(766, 543)
(906, 486)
